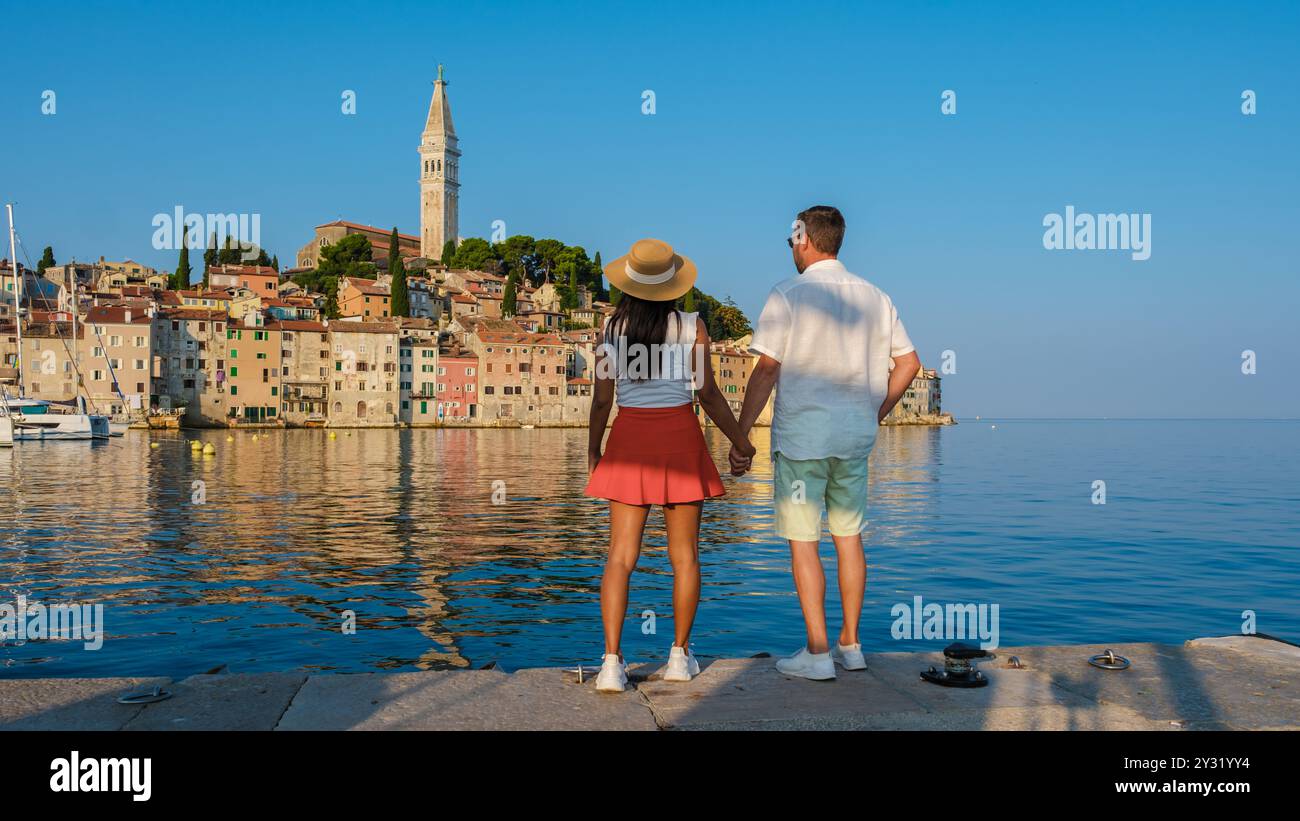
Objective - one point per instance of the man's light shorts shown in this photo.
(803, 488)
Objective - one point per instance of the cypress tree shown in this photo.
(209, 258)
(47, 261)
(688, 304)
(614, 295)
(400, 304)
(181, 279)
(509, 300)
(448, 252)
(230, 253)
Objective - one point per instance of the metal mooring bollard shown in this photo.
(959, 667)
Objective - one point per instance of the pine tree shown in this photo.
(401, 297)
(181, 279)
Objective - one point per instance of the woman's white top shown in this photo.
(676, 375)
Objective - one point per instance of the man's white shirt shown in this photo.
(835, 335)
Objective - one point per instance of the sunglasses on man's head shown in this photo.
(789, 241)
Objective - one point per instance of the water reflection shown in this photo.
(401, 528)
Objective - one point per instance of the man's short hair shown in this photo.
(824, 227)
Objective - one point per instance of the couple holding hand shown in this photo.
(832, 346)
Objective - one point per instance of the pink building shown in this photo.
(457, 385)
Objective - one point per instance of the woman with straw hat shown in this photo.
(651, 357)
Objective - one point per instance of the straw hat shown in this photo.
(651, 270)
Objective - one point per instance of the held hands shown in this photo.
(741, 458)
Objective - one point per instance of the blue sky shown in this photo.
(761, 109)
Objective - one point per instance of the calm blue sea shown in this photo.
(1201, 523)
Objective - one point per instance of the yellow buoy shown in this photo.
(333, 435)
(230, 438)
(153, 444)
(209, 449)
(254, 437)
(195, 444)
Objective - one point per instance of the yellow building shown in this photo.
(117, 365)
(253, 365)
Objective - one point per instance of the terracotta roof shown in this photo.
(117, 315)
(299, 325)
(385, 231)
(360, 327)
(244, 269)
(193, 312)
(521, 338)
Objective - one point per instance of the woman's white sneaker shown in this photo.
(682, 665)
(815, 666)
(613, 675)
(849, 656)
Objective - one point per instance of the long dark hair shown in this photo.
(640, 322)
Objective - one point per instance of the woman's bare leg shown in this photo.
(683, 523)
(626, 523)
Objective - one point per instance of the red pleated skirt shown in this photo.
(655, 456)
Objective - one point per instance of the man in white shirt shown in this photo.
(832, 345)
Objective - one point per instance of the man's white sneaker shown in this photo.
(682, 665)
(849, 656)
(815, 666)
(613, 675)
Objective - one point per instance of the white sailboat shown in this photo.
(23, 419)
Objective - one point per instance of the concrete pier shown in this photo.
(1237, 682)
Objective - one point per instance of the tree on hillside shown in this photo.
(688, 302)
(517, 254)
(614, 295)
(600, 291)
(47, 261)
(209, 258)
(400, 303)
(275, 263)
(569, 297)
(448, 252)
(229, 253)
(181, 278)
(349, 257)
(475, 254)
(510, 299)
(548, 254)
(727, 321)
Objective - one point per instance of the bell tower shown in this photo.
(439, 175)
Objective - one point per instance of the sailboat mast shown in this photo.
(18, 295)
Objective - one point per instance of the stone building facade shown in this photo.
(364, 388)
(306, 368)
